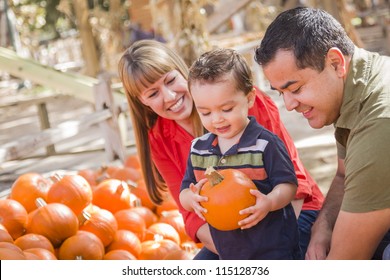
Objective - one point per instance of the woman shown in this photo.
(165, 122)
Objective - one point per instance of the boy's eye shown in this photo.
(227, 110)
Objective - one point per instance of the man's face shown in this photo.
(316, 95)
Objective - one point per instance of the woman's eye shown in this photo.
(205, 114)
(154, 93)
(170, 81)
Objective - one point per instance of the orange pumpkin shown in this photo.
(139, 189)
(132, 221)
(163, 229)
(168, 204)
(175, 219)
(27, 188)
(119, 254)
(228, 192)
(113, 195)
(179, 255)
(100, 222)
(5, 236)
(133, 161)
(125, 240)
(157, 249)
(9, 251)
(128, 174)
(146, 213)
(90, 175)
(13, 216)
(82, 246)
(55, 221)
(72, 190)
(33, 240)
(41, 253)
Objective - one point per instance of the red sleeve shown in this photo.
(267, 114)
(170, 160)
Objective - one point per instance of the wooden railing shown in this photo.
(109, 104)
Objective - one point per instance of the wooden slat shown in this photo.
(77, 85)
(30, 143)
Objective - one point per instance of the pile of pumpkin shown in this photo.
(90, 215)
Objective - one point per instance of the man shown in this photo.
(307, 56)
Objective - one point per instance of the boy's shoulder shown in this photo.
(203, 141)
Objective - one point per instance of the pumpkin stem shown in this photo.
(40, 202)
(55, 177)
(213, 176)
(84, 217)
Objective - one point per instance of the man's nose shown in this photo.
(289, 101)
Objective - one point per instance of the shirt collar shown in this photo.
(248, 138)
(355, 83)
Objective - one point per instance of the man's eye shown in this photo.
(297, 90)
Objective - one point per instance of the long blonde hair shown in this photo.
(141, 65)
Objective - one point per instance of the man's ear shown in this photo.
(336, 59)
(251, 96)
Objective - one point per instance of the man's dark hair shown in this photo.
(309, 33)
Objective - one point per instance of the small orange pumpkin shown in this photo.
(13, 216)
(157, 249)
(163, 229)
(100, 222)
(41, 253)
(72, 190)
(33, 240)
(82, 246)
(228, 192)
(125, 240)
(55, 221)
(119, 254)
(113, 195)
(132, 221)
(28, 187)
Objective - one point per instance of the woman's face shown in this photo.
(169, 97)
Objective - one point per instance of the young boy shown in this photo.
(221, 85)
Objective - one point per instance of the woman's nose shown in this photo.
(169, 95)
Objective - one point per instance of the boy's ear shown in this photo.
(251, 96)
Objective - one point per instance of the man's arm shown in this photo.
(357, 235)
(321, 232)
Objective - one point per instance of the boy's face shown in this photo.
(222, 108)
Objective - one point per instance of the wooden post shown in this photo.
(110, 127)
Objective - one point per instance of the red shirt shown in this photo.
(170, 145)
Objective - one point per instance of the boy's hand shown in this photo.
(256, 212)
(195, 198)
